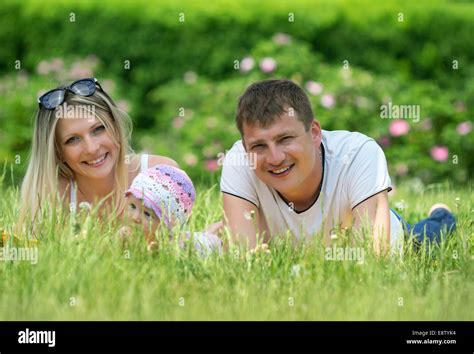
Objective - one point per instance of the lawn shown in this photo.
(84, 273)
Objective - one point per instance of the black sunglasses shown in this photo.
(83, 87)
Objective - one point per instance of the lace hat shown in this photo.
(167, 190)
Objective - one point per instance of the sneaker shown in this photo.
(438, 206)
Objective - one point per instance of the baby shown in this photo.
(165, 194)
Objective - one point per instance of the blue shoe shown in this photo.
(440, 221)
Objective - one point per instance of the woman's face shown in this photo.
(86, 147)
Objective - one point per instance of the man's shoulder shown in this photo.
(343, 142)
(337, 136)
(237, 147)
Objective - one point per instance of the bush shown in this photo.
(349, 99)
(185, 72)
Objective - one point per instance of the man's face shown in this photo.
(287, 155)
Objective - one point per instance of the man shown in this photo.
(297, 177)
(302, 179)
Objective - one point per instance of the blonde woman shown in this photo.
(80, 153)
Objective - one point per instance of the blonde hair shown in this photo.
(40, 184)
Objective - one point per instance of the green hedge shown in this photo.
(409, 61)
(367, 33)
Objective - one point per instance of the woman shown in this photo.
(80, 152)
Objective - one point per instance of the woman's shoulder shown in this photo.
(152, 161)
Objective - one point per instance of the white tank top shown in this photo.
(73, 194)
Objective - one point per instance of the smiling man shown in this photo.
(305, 179)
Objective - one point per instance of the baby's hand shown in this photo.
(215, 228)
(124, 234)
(152, 247)
(263, 248)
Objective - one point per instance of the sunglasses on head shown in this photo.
(83, 87)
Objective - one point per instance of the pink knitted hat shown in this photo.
(167, 190)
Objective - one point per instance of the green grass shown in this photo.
(87, 275)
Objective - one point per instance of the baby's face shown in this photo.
(141, 215)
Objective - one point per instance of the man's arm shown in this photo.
(375, 211)
(242, 218)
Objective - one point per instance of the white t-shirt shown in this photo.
(355, 169)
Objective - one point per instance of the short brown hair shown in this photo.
(265, 101)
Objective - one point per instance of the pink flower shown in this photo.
(328, 101)
(401, 169)
(267, 65)
(426, 125)
(314, 88)
(56, 65)
(246, 64)
(80, 70)
(188, 113)
(464, 128)
(190, 77)
(362, 102)
(108, 85)
(399, 127)
(212, 165)
(208, 152)
(22, 77)
(178, 123)
(281, 38)
(439, 153)
(211, 122)
(92, 60)
(43, 67)
(123, 105)
(190, 159)
(459, 106)
(384, 141)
